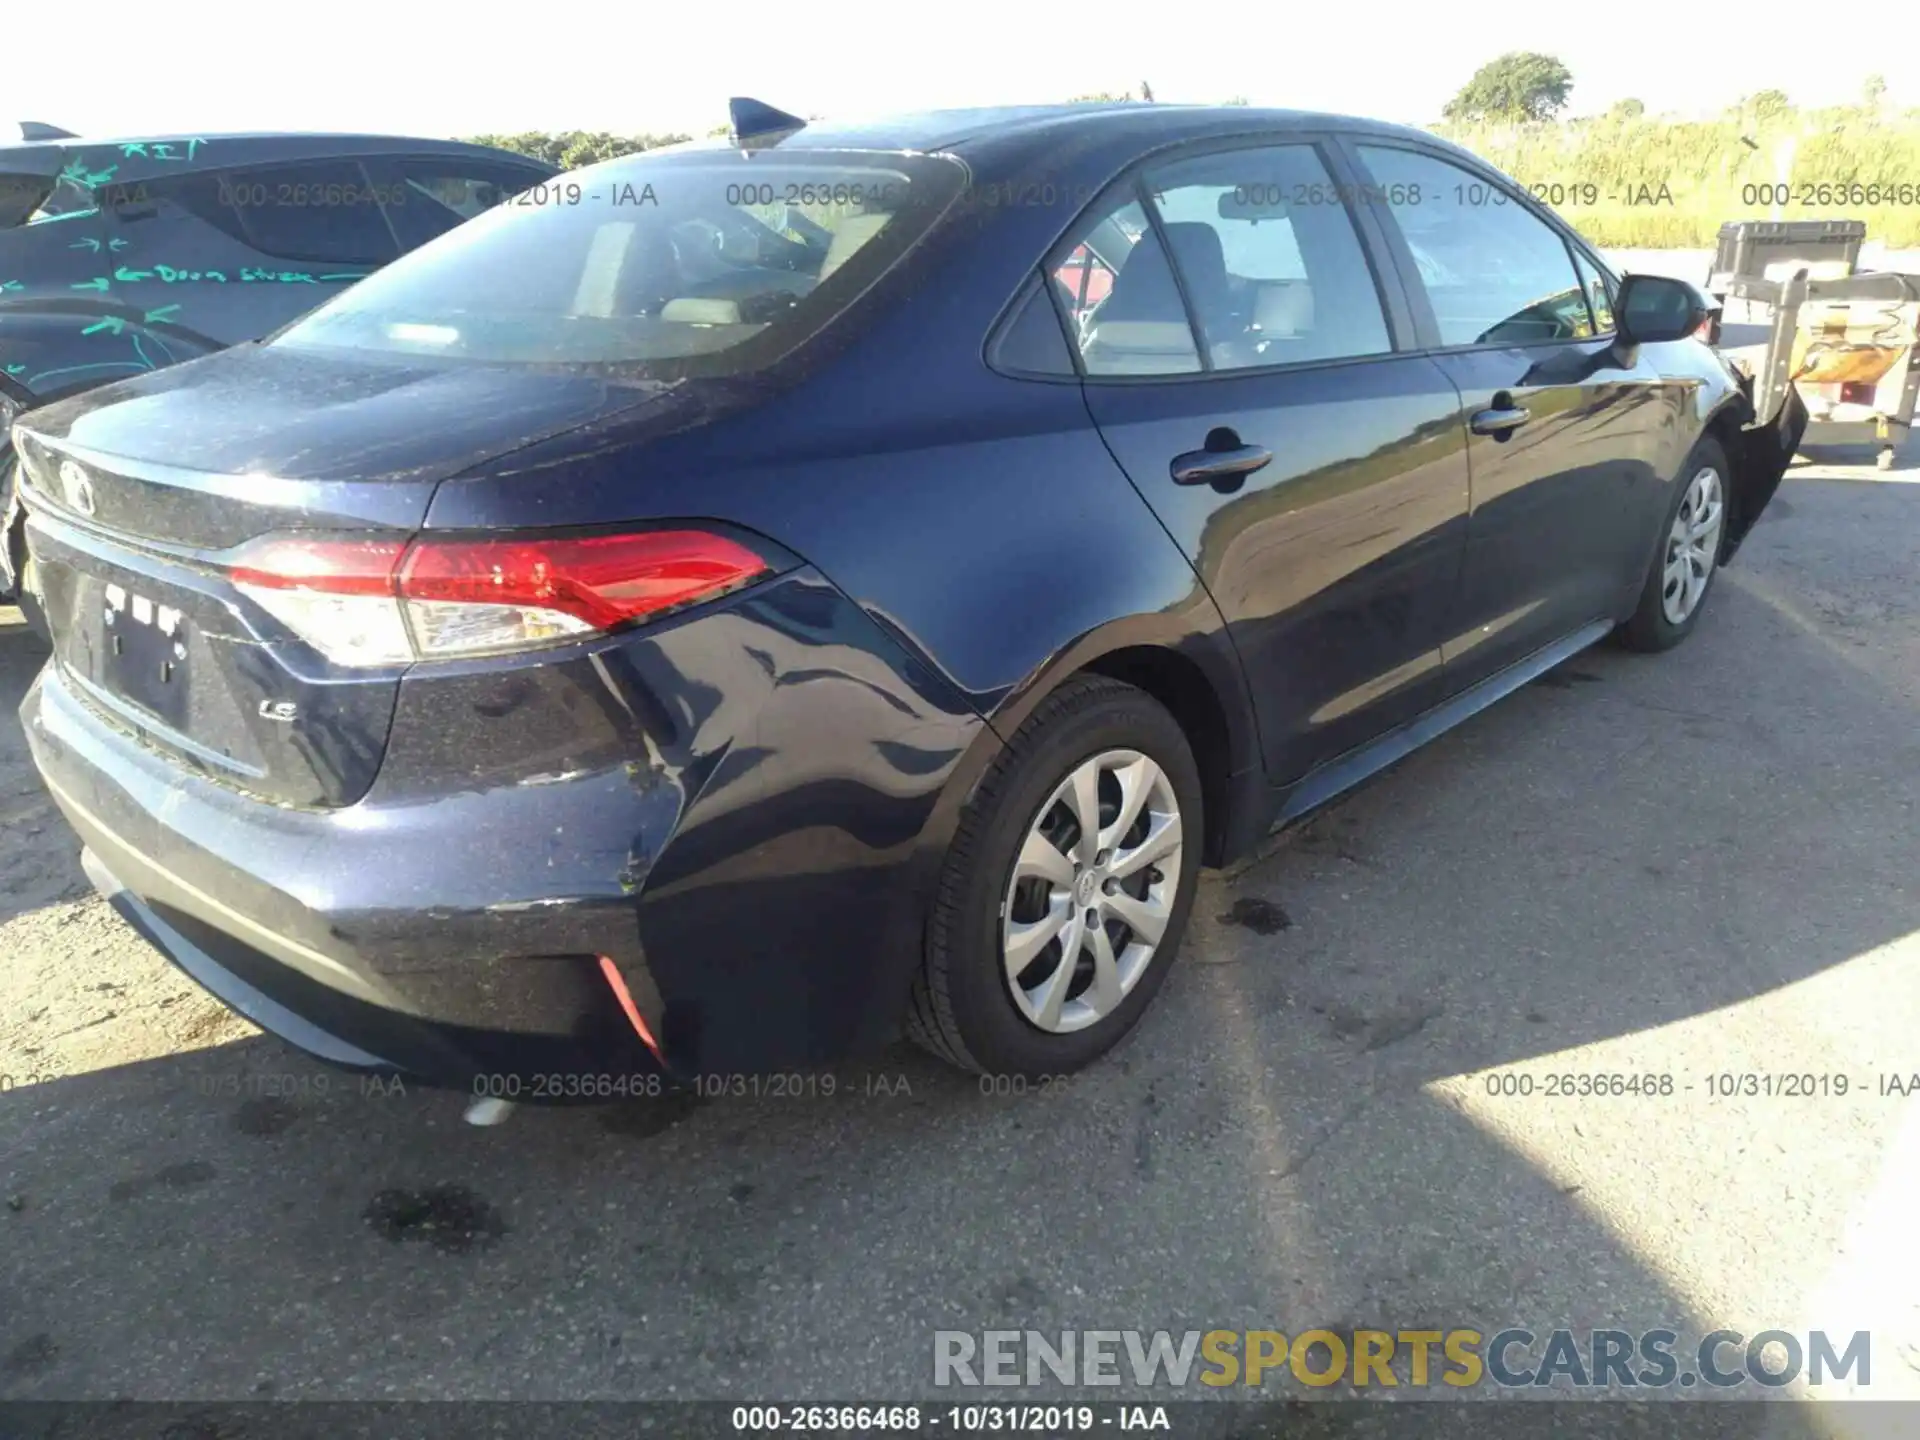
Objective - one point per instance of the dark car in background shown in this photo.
(762, 596)
(123, 256)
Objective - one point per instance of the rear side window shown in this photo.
(1269, 257)
(324, 213)
(1031, 342)
(706, 262)
(1494, 272)
(1131, 322)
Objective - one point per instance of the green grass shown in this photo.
(1704, 166)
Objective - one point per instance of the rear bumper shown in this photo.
(222, 983)
(742, 811)
(447, 1009)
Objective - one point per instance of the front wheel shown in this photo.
(1690, 544)
(1067, 888)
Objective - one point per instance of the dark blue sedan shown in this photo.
(729, 605)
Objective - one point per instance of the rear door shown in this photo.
(1254, 393)
(1563, 424)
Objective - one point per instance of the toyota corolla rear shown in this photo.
(396, 789)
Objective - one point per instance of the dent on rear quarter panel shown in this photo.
(736, 804)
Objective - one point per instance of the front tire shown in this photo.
(1692, 539)
(1067, 888)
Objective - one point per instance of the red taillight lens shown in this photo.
(379, 602)
(604, 580)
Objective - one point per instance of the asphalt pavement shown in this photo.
(1694, 865)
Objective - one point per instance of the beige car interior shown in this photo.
(854, 234)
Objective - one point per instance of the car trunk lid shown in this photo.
(135, 550)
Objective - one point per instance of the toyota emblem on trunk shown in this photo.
(77, 486)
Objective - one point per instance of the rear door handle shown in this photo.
(1501, 420)
(1225, 469)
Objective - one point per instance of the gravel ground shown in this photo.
(1686, 865)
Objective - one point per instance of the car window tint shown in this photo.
(325, 213)
(1031, 341)
(655, 266)
(1269, 257)
(1494, 272)
(1120, 297)
(1599, 297)
(425, 198)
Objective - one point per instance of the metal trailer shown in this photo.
(1774, 249)
(1848, 346)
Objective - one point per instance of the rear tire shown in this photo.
(1692, 539)
(1036, 1017)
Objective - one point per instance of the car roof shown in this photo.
(1040, 126)
(145, 157)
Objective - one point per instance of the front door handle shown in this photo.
(1501, 419)
(1224, 469)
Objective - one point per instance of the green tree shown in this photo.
(1101, 97)
(1628, 109)
(1769, 104)
(1520, 85)
(575, 149)
(1873, 91)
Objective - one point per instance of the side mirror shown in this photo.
(1653, 308)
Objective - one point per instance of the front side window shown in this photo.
(649, 266)
(1599, 296)
(34, 199)
(1269, 258)
(1494, 272)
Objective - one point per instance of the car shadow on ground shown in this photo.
(1605, 873)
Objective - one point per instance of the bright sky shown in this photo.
(404, 67)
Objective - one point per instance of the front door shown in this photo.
(1562, 451)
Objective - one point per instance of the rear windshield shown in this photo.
(705, 262)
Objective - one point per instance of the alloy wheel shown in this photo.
(1091, 892)
(1693, 546)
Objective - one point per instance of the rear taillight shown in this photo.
(387, 602)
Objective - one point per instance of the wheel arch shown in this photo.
(1197, 677)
